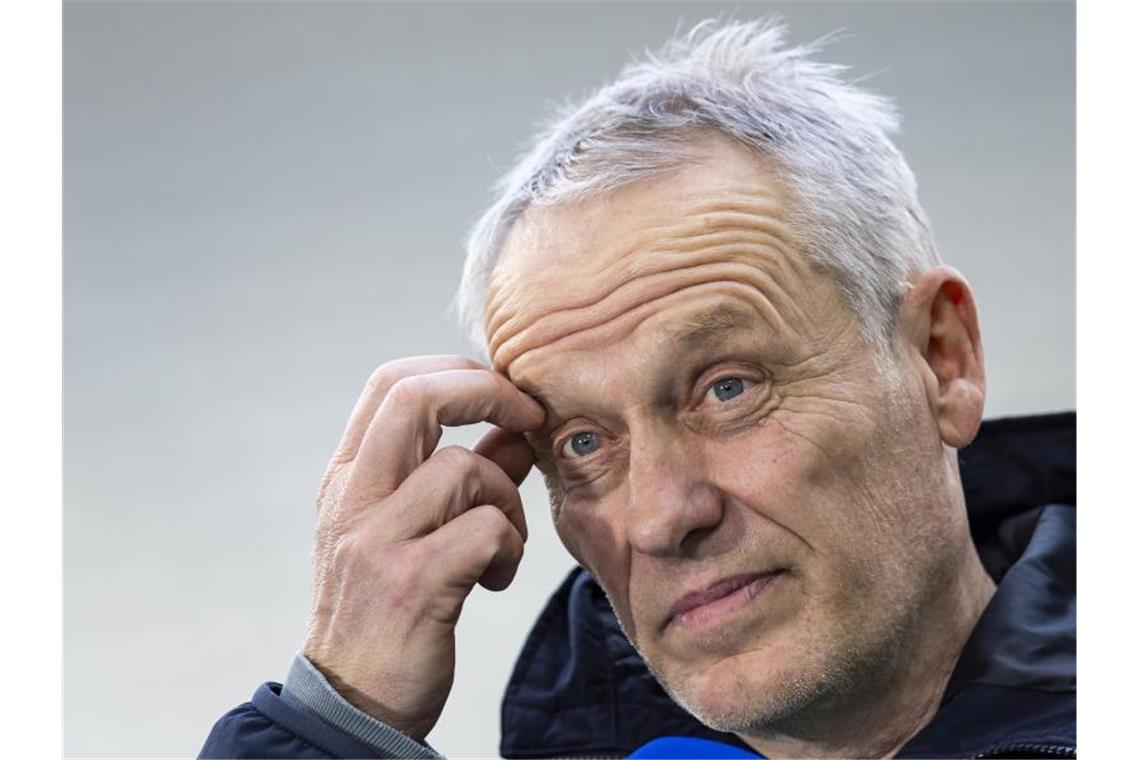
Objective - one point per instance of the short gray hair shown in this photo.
(856, 216)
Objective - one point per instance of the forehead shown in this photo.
(589, 273)
(690, 329)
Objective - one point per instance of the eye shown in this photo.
(580, 445)
(728, 388)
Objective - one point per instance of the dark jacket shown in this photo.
(580, 689)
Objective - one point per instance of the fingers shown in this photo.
(449, 483)
(408, 424)
(377, 387)
(403, 535)
(509, 450)
(479, 546)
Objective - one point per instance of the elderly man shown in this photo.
(718, 324)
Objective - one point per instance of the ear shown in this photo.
(939, 322)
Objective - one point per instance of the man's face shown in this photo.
(762, 504)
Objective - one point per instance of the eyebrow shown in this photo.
(687, 337)
(712, 323)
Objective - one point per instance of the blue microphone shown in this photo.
(688, 748)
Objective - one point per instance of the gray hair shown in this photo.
(856, 216)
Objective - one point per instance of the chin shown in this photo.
(751, 691)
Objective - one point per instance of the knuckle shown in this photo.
(409, 391)
(503, 541)
(496, 525)
(381, 377)
(459, 460)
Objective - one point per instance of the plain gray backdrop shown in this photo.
(265, 201)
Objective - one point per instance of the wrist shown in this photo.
(307, 689)
(369, 703)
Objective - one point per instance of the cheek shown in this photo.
(808, 476)
(593, 536)
(779, 472)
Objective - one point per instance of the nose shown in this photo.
(671, 502)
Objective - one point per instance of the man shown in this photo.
(718, 324)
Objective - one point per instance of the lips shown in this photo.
(727, 594)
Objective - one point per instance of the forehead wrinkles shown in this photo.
(735, 240)
(633, 340)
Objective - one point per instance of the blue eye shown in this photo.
(582, 444)
(728, 388)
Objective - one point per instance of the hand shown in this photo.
(403, 534)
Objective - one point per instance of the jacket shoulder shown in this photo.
(986, 720)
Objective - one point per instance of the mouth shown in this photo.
(723, 598)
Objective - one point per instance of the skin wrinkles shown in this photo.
(755, 411)
(704, 333)
(706, 327)
(717, 217)
(629, 322)
(640, 291)
(660, 260)
(560, 424)
(572, 331)
(825, 465)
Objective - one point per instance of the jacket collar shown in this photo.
(579, 687)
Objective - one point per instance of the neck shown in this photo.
(883, 718)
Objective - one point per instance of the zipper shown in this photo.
(1020, 750)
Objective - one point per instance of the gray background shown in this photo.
(265, 201)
